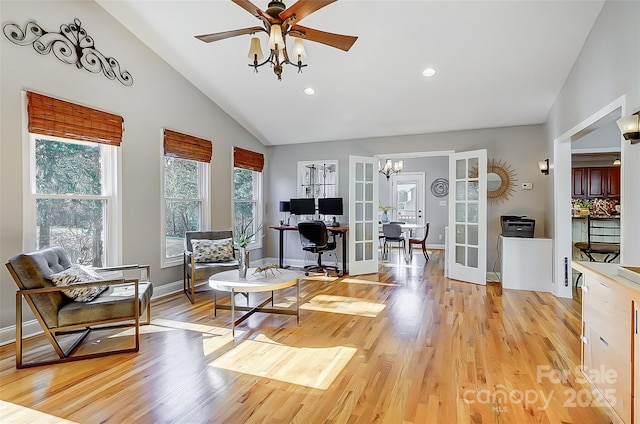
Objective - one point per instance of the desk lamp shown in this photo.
(285, 207)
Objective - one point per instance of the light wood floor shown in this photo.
(402, 346)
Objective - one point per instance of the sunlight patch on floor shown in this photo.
(309, 367)
(160, 325)
(318, 277)
(12, 413)
(343, 305)
(402, 264)
(368, 282)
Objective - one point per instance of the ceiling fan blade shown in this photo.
(208, 38)
(342, 42)
(249, 7)
(303, 8)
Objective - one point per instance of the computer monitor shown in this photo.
(330, 206)
(303, 206)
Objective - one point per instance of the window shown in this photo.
(185, 203)
(71, 197)
(71, 202)
(247, 191)
(185, 187)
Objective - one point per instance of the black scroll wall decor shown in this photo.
(71, 45)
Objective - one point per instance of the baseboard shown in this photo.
(493, 277)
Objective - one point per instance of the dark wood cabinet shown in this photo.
(595, 182)
(578, 182)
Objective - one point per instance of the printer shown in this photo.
(517, 226)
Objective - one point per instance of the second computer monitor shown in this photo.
(330, 206)
(303, 206)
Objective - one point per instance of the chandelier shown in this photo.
(390, 168)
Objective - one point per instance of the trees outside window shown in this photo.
(70, 198)
(247, 193)
(184, 203)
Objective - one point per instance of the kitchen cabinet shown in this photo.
(610, 345)
(595, 182)
(579, 182)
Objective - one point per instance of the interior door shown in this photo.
(408, 197)
(467, 257)
(363, 216)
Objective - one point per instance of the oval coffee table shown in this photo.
(230, 281)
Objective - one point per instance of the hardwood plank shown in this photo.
(438, 351)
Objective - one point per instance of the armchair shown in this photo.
(59, 314)
(197, 270)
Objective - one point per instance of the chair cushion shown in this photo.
(213, 250)
(114, 303)
(206, 270)
(78, 274)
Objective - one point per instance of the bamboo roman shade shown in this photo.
(187, 146)
(49, 116)
(247, 159)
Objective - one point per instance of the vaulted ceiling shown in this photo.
(499, 63)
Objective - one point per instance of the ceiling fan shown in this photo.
(279, 21)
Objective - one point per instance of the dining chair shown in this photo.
(422, 242)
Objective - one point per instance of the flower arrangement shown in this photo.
(244, 233)
(385, 208)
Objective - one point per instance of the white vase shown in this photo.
(243, 262)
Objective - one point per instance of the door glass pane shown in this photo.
(359, 253)
(460, 212)
(359, 212)
(460, 234)
(368, 231)
(460, 255)
(369, 171)
(359, 192)
(461, 169)
(473, 212)
(368, 250)
(472, 193)
(359, 231)
(368, 211)
(473, 164)
(461, 190)
(368, 196)
(473, 235)
(359, 171)
(472, 259)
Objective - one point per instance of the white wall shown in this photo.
(159, 97)
(607, 69)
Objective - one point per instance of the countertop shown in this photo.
(609, 272)
(598, 217)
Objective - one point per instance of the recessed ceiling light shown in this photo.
(428, 72)
(309, 91)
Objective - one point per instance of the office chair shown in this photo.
(392, 233)
(315, 239)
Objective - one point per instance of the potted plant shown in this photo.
(243, 234)
(583, 208)
(385, 209)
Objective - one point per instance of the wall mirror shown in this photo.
(501, 180)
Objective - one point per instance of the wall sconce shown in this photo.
(630, 127)
(390, 168)
(617, 161)
(544, 166)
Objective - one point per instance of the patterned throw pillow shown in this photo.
(79, 274)
(213, 250)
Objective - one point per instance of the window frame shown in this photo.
(111, 192)
(257, 200)
(205, 213)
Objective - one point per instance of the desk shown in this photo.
(231, 282)
(339, 231)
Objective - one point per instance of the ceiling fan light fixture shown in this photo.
(276, 42)
(298, 49)
(255, 51)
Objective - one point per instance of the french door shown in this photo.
(467, 245)
(363, 216)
